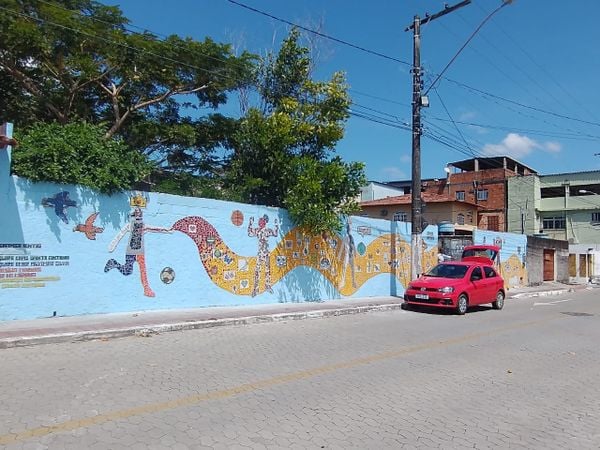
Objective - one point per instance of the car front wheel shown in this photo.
(462, 304)
(499, 303)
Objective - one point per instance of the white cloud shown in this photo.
(513, 145)
(518, 146)
(393, 173)
(552, 147)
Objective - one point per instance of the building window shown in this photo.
(553, 223)
(460, 219)
(596, 217)
(460, 196)
(493, 223)
(482, 194)
(400, 217)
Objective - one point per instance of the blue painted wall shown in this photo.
(70, 250)
(513, 254)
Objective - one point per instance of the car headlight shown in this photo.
(446, 290)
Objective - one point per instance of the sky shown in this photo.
(525, 86)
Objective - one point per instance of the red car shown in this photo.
(460, 284)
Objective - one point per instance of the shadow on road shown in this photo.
(443, 311)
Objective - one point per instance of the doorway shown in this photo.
(548, 265)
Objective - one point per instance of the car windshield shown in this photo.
(448, 271)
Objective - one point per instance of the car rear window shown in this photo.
(448, 271)
(479, 252)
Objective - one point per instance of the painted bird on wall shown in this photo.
(88, 228)
(60, 202)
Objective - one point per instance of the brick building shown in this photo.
(479, 181)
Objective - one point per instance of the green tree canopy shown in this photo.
(283, 150)
(78, 153)
(66, 60)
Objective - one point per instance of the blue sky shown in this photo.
(539, 53)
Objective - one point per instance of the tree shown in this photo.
(78, 153)
(283, 149)
(69, 60)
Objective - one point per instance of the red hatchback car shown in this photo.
(460, 284)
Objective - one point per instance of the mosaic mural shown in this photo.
(91, 253)
(513, 251)
(343, 264)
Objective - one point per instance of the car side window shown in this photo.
(476, 274)
(489, 272)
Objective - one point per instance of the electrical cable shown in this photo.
(318, 33)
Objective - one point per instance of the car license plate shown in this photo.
(422, 296)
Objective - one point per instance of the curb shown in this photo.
(149, 330)
(541, 293)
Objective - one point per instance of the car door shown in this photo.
(477, 285)
(492, 283)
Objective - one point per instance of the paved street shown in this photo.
(524, 377)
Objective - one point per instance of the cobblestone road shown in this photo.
(525, 377)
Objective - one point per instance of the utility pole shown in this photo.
(419, 101)
(416, 213)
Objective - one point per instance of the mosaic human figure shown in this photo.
(135, 248)
(263, 259)
(346, 254)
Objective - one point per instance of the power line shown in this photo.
(341, 41)
(121, 44)
(489, 16)
(378, 98)
(126, 27)
(498, 68)
(379, 54)
(318, 33)
(574, 136)
(450, 116)
(522, 105)
(533, 60)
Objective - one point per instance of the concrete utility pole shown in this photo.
(419, 101)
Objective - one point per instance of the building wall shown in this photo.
(574, 207)
(523, 201)
(584, 263)
(433, 213)
(535, 259)
(67, 250)
(375, 191)
(492, 180)
(575, 178)
(513, 253)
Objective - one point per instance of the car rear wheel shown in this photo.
(462, 304)
(499, 303)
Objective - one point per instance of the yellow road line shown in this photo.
(70, 425)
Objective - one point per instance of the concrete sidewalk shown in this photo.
(18, 333)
